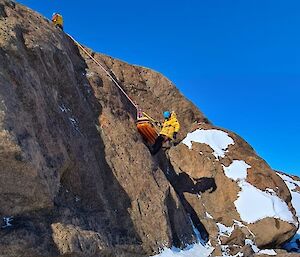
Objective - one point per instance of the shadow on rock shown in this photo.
(183, 183)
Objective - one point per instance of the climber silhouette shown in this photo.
(57, 20)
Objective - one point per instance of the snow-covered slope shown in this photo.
(294, 186)
(254, 204)
(196, 250)
(250, 199)
(244, 210)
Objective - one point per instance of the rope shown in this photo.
(107, 73)
(149, 117)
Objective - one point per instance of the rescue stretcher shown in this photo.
(147, 129)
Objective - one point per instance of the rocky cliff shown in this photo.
(77, 179)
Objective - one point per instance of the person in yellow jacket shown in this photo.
(168, 132)
(58, 20)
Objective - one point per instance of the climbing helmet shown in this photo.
(167, 114)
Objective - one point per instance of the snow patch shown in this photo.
(290, 182)
(225, 231)
(209, 216)
(254, 205)
(89, 74)
(270, 190)
(218, 140)
(72, 120)
(226, 252)
(267, 252)
(74, 124)
(253, 246)
(296, 202)
(199, 249)
(257, 250)
(241, 225)
(7, 222)
(196, 250)
(63, 108)
(292, 185)
(237, 170)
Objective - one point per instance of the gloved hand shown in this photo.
(175, 135)
(157, 123)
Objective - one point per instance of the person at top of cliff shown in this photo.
(168, 132)
(58, 21)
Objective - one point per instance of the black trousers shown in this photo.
(59, 26)
(157, 145)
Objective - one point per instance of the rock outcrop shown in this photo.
(242, 198)
(77, 179)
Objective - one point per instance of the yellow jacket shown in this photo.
(170, 126)
(57, 19)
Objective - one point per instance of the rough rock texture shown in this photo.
(70, 151)
(76, 178)
(218, 193)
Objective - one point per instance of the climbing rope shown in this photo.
(107, 73)
(150, 118)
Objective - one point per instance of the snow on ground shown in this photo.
(252, 244)
(225, 231)
(292, 185)
(257, 250)
(199, 249)
(196, 250)
(218, 140)
(254, 205)
(237, 170)
(267, 252)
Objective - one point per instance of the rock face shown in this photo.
(76, 177)
(242, 197)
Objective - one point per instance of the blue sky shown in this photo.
(238, 61)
